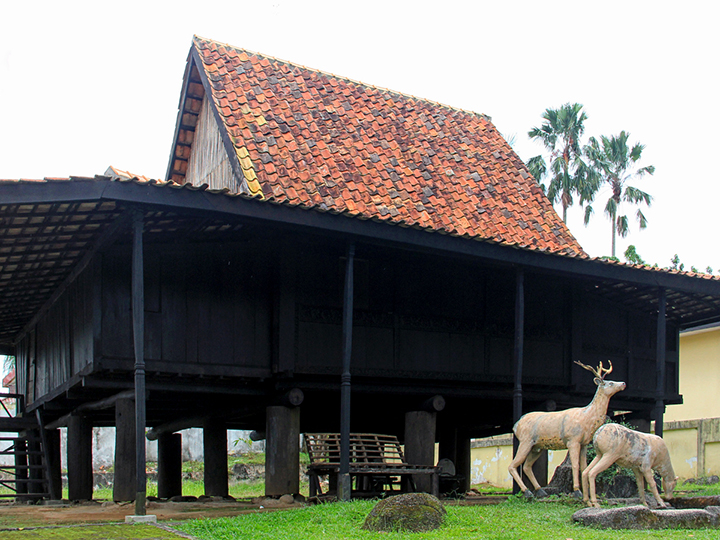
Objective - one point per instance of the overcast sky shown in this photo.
(85, 85)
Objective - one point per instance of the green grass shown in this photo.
(697, 490)
(240, 490)
(515, 519)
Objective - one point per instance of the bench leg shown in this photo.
(436, 484)
(314, 484)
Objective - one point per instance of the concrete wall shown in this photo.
(491, 457)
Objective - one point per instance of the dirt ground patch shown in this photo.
(23, 515)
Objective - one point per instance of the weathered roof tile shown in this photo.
(374, 153)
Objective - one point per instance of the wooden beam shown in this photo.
(92, 406)
(176, 425)
(107, 236)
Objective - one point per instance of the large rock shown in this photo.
(620, 486)
(640, 517)
(414, 512)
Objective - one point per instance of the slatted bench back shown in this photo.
(366, 449)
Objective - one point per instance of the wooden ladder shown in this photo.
(27, 476)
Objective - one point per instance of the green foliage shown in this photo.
(567, 174)
(632, 256)
(615, 163)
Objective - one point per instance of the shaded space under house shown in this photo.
(316, 236)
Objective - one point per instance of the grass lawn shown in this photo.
(515, 519)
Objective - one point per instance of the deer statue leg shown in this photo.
(523, 450)
(528, 470)
(653, 488)
(640, 480)
(598, 465)
(574, 451)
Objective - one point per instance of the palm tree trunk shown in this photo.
(614, 228)
(564, 213)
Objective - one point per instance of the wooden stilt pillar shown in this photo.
(52, 439)
(420, 444)
(169, 465)
(282, 451)
(215, 451)
(463, 464)
(660, 363)
(79, 458)
(124, 488)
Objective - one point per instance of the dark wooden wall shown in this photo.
(271, 304)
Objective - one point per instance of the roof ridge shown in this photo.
(347, 79)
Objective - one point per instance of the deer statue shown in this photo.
(642, 452)
(572, 429)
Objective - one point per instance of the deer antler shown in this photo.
(600, 372)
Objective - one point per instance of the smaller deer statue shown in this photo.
(642, 452)
(572, 429)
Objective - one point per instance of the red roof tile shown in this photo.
(325, 142)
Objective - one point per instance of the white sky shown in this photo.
(85, 85)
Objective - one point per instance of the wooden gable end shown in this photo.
(208, 162)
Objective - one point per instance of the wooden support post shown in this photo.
(215, 452)
(124, 488)
(518, 353)
(420, 444)
(169, 465)
(52, 439)
(79, 459)
(344, 486)
(660, 364)
(463, 465)
(282, 451)
(138, 325)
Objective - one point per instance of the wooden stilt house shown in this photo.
(316, 236)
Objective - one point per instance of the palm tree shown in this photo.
(616, 164)
(560, 134)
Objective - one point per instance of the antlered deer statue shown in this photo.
(642, 452)
(572, 429)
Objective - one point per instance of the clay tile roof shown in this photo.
(315, 140)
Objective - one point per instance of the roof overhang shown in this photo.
(100, 201)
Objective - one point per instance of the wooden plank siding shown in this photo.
(208, 163)
(207, 310)
(62, 342)
(270, 302)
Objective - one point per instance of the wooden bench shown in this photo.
(376, 461)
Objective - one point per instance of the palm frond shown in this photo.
(642, 220)
(611, 208)
(622, 226)
(636, 196)
(588, 213)
(537, 167)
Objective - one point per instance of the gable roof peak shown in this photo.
(299, 137)
(204, 43)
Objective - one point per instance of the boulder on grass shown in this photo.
(413, 512)
(640, 517)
